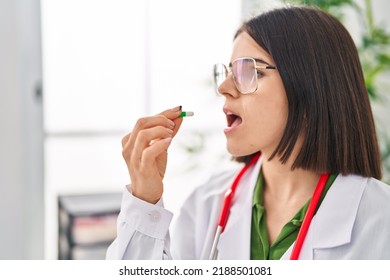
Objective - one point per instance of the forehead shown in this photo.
(245, 46)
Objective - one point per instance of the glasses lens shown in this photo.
(220, 73)
(244, 73)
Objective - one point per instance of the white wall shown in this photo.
(21, 141)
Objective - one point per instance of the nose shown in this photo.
(228, 87)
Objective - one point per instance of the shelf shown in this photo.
(87, 224)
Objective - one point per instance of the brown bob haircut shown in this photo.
(327, 99)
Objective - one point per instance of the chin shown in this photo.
(238, 151)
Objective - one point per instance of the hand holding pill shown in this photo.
(145, 152)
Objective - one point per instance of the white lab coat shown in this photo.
(353, 222)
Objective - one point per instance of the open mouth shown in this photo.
(233, 120)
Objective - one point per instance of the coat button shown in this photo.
(296, 222)
(154, 216)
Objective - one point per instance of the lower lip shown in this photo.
(230, 129)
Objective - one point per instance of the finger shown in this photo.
(178, 122)
(151, 153)
(174, 115)
(144, 139)
(147, 123)
(168, 118)
(125, 139)
(148, 136)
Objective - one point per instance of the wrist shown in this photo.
(150, 198)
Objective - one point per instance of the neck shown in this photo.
(286, 185)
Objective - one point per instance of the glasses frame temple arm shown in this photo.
(266, 67)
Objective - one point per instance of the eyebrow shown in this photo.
(260, 60)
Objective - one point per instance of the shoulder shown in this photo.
(369, 196)
(378, 186)
(373, 189)
(370, 185)
(377, 195)
(373, 219)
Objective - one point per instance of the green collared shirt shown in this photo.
(260, 247)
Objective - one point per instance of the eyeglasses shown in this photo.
(245, 74)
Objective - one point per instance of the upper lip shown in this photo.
(229, 111)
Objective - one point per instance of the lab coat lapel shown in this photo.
(335, 219)
(234, 242)
(333, 223)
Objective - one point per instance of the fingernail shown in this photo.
(168, 139)
(177, 108)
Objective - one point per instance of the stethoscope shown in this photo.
(305, 223)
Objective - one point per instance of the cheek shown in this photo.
(274, 105)
(267, 118)
(270, 121)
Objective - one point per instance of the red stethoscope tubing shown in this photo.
(309, 216)
(305, 224)
(226, 207)
(230, 193)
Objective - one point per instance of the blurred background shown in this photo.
(75, 75)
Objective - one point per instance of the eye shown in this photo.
(259, 73)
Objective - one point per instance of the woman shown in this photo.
(296, 95)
